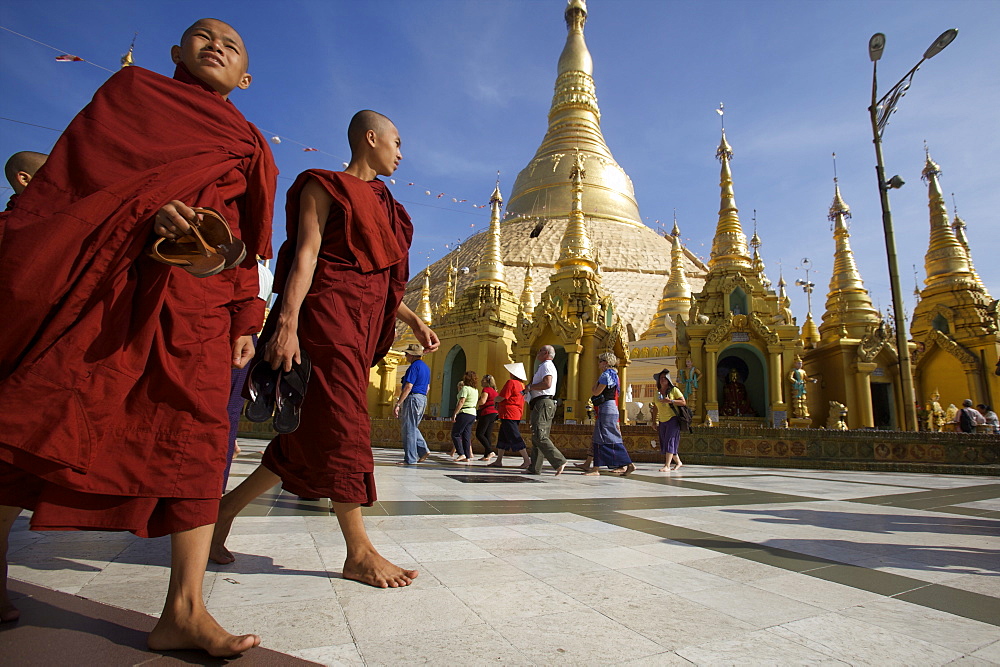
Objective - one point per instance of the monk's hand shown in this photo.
(283, 349)
(242, 351)
(174, 220)
(426, 337)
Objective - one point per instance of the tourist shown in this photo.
(608, 447)
(990, 417)
(510, 407)
(410, 405)
(465, 414)
(669, 426)
(968, 418)
(486, 417)
(542, 401)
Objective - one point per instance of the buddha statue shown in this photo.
(735, 401)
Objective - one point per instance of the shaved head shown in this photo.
(362, 122)
(208, 22)
(21, 163)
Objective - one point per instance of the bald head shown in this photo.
(362, 122)
(21, 168)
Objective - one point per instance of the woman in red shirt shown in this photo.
(486, 416)
(510, 404)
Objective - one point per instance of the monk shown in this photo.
(340, 280)
(20, 169)
(114, 376)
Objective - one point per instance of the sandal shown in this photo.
(290, 394)
(206, 250)
(262, 384)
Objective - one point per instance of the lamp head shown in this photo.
(943, 40)
(895, 182)
(875, 46)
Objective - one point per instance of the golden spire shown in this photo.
(847, 303)
(449, 291)
(528, 294)
(676, 297)
(946, 261)
(574, 249)
(729, 247)
(424, 309)
(491, 265)
(958, 226)
(758, 263)
(127, 60)
(810, 333)
(542, 189)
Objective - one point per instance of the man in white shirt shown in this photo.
(541, 396)
(975, 418)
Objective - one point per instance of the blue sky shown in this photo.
(469, 85)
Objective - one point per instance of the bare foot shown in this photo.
(582, 466)
(372, 569)
(627, 470)
(9, 613)
(678, 466)
(236, 450)
(496, 464)
(197, 630)
(524, 466)
(560, 469)
(424, 457)
(403, 463)
(665, 469)
(592, 472)
(218, 553)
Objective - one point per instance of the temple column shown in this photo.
(863, 394)
(777, 377)
(710, 375)
(386, 377)
(572, 410)
(622, 390)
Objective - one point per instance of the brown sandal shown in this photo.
(206, 250)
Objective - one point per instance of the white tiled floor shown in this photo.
(553, 586)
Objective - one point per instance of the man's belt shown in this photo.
(531, 403)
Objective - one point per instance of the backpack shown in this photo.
(684, 417)
(965, 423)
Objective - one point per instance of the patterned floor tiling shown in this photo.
(711, 565)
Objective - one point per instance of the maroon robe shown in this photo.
(346, 325)
(114, 376)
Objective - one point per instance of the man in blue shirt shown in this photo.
(410, 406)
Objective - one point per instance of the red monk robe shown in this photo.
(114, 369)
(346, 325)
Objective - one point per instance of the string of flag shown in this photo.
(275, 138)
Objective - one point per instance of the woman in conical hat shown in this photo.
(510, 405)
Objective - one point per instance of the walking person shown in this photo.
(542, 400)
(510, 407)
(465, 414)
(668, 396)
(410, 406)
(608, 446)
(486, 417)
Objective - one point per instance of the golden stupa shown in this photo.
(634, 261)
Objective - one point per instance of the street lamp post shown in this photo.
(880, 110)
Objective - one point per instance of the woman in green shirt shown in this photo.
(465, 414)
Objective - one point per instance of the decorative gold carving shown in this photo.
(951, 347)
(837, 420)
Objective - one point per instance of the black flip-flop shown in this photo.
(262, 383)
(290, 394)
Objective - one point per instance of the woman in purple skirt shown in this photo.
(609, 450)
(668, 396)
